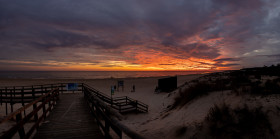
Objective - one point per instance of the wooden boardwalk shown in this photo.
(71, 118)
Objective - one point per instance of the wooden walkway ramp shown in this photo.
(71, 118)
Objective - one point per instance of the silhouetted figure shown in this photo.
(112, 90)
(133, 88)
(115, 87)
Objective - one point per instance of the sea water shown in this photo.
(89, 74)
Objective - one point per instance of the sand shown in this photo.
(144, 92)
(160, 122)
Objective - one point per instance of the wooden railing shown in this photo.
(102, 114)
(26, 94)
(49, 98)
(122, 104)
(48, 94)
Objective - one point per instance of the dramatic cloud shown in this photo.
(138, 35)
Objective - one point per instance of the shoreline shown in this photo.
(10, 82)
(77, 75)
(99, 78)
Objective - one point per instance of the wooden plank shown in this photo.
(71, 118)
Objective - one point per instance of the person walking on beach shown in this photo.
(133, 88)
(112, 90)
(115, 88)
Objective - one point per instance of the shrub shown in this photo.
(270, 87)
(224, 122)
(180, 131)
(199, 89)
(194, 91)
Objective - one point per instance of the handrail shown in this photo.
(116, 101)
(35, 85)
(98, 108)
(96, 91)
(11, 94)
(3, 87)
(26, 94)
(50, 98)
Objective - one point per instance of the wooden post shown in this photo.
(21, 131)
(1, 97)
(14, 92)
(136, 104)
(61, 88)
(111, 98)
(84, 92)
(44, 108)
(57, 96)
(120, 109)
(22, 99)
(36, 114)
(33, 93)
(46, 90)
(107, 128)
(6, 91)
(82, 87)
(92, 106)
(11, 100)
(50, 101)
(42, 90)
(22, 94)
(34, 105)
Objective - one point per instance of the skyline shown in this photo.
(130, 35)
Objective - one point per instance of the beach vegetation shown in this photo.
(244, 81)
(181, 130)
(270, 87)
(225, 122)
(194, 91)
(197, 90)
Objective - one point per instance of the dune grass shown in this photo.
(180, 131)
(197, 90)
(194, 91)
(225, 122)
(237, 81)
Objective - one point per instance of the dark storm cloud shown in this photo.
(227, 59)
(227, 62)
(275, 56)
(226, 65)
(34, 29)
(272, 59)
(204, 51)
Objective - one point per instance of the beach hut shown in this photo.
(167, 84)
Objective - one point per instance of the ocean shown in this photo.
(89, 74)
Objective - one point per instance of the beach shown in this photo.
(144, 92)
(162, 119)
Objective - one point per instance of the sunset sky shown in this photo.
(138, 34)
